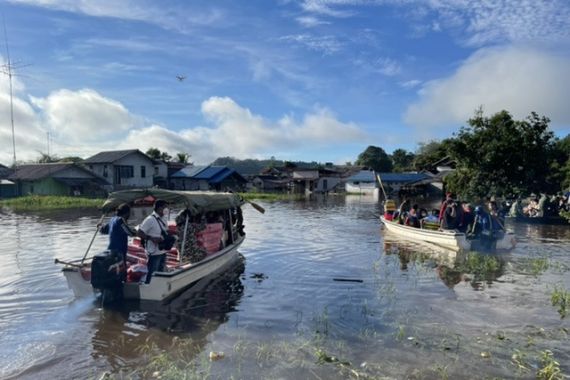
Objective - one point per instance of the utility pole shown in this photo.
(8, 67)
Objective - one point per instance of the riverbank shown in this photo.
(48, 202)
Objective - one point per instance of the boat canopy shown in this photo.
(196, 201)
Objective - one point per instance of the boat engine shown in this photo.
(107, 271)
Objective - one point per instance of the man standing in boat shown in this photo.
(151, 231)
(119, 232)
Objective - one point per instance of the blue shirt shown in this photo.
(118, 235)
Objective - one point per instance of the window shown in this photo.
(143, 171)
(156, 170)
(325, 184)
(105, 171)
(126, 172)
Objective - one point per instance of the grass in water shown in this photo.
(550, 369)
(561, 298)
(45, 202)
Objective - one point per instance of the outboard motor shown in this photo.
(107, 274)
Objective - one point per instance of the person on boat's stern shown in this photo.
(119, 232)
(151, 231)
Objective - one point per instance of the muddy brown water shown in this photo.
(318, 279)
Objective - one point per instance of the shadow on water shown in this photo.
(125, 330)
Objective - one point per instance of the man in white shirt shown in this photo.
(151, 230)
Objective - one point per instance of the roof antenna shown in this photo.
(7, 70)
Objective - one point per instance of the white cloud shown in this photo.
(82, 123)
(137, 10)
(310, 21)
(411, 83)
(239, 133)
(479, 22)
(517, 79)
(323, 44)
(83, 116)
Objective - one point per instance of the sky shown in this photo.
(311, 80)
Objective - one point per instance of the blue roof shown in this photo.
(188, 171)
(403, 177)
(363, 176)
(210, 172)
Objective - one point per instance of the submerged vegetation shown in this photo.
(561, 298)
(46, 202)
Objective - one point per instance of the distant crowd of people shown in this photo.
(538, 207)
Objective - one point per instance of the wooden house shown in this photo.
(123, 169)
(56, 179)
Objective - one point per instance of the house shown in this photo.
(123, 168)
(328, 180)
(217, 178)
(304, 180)
(410, 183)
(57, 179)
(364, 182)
(163, 170)
(7, 187)
(270, 183)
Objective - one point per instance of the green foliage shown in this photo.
(252, 166)
(403, 160)
(44, 202)
(561, 298)
(375, 158)
(429, 153)
(182, 157)
(156, 154)
(550, 369)
(499, 155)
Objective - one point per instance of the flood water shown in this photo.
(321, 292)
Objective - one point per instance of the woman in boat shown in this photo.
(413, 219)
(449, 221)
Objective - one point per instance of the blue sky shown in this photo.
(299, 80)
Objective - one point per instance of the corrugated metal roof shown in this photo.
(363, 176)
(38, 171)
(188, 172)
(210, 172)
(111, 156)
(403, 177)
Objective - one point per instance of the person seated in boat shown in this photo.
(389, 209)
(403, 210)
(443, 206)
(119, 231)
(449, 221)
(153, 231)
(532, 209)
(412, 219)
(466, 218)
(516, 209)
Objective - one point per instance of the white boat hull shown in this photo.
(453, 240)
(163, 284)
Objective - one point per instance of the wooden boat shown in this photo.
(456, 241)
(178, 274)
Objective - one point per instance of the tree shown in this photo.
(429, 153)
(46, 158)
(156, 154)
(402, 160)
(502, 156)
(375, 158)
(153, 153)
(182, 157)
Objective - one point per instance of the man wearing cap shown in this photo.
(151, 230)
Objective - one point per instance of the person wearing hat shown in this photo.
(151, 231)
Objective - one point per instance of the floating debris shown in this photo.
(216, 355)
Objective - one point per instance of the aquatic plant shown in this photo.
(550, 368)
(46, 202)
(561, 298)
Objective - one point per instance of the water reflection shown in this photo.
(452, 268)
(122, 332)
